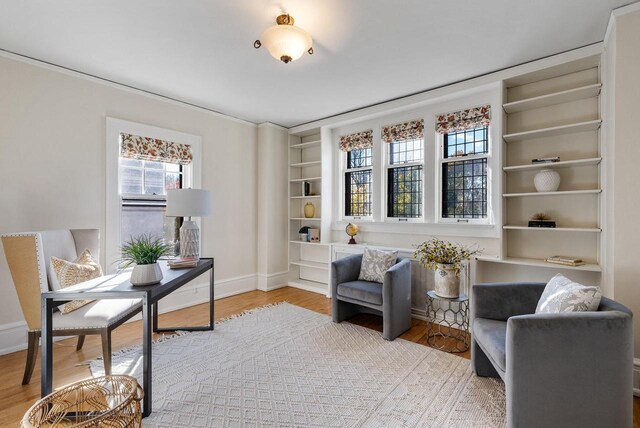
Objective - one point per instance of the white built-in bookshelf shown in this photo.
(309, 262)
(545, 114)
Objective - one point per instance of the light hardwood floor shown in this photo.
(70, 366)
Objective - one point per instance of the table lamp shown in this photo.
(189, 203)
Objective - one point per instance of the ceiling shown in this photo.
(366, 51)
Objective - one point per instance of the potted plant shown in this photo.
(304, 234)
(144, 252)
(445, 259)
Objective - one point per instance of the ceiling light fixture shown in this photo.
(285, 41)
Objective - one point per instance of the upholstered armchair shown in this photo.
(571, 369)
(391, 299)
(28, 256)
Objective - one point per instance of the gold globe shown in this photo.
(352, 230)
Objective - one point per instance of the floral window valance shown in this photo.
(152, 149)
(476, 117)
(412, 130)
(359, 140)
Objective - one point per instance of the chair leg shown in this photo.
(32, 355)
(80, 342)
(106, 351)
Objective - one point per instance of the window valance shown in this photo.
(412, 130)
(359, 140)
(152, 149)
(464, 119)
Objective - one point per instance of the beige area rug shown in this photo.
(285, 366)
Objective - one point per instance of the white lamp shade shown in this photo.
(286, 40)
(188, 203)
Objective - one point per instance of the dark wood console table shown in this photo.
(119, 287)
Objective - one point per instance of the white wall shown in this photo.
(623, 140)
(53, 168)
(272, 206)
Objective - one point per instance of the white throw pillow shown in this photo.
(375, 263)
(563, 295)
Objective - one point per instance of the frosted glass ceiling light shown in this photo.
(285, 41)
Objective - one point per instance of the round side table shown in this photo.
(448, 322)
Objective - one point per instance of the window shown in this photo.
(358, 173)
(139, 159)
(143, 190)
(147, 169)
(464, 173)
(405, 157)
(358, 183)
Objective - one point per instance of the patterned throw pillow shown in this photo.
(68, 273)
(375, 263)
(563, 295)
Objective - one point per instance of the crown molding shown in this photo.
(273, 125)
(615, 13)
(113, 84)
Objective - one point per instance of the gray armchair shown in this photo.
(391, 299)
(560, 370)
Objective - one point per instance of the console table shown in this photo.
(119, 287)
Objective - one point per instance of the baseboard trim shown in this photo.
(308, 287)
(272, 281)
(13, 336)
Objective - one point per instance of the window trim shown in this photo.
(441, 160)
(343, 180)
(192, 176)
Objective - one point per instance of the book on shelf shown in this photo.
(546, 160)
(182, 262)
(565, 260)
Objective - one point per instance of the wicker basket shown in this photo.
(108, 401)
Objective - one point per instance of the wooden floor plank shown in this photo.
(70, 366)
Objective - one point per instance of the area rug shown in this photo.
(285, 366)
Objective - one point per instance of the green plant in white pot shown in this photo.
(446, 260)
(144, 252)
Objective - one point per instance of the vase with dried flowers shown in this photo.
(445, 258)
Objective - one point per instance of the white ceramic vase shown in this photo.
(447, 283)
(146, 274)
(547, 180)
(304, 237)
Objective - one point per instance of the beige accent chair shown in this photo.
(29, 259)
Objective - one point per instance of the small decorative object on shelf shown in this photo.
(541, 220)
(546, 160)
(306, 188)
(547, 180)
(565, 260)
(304, 233)
(309, 210)
(446, 260)
(314, 235)
(144, 252)
(352, 230)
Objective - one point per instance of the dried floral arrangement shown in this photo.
(433, 252)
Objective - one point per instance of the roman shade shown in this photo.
(359, 140)
(155, 150)
(412, 130)
(475, 117)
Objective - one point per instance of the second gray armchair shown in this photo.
(391, 298)
(571, 369)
